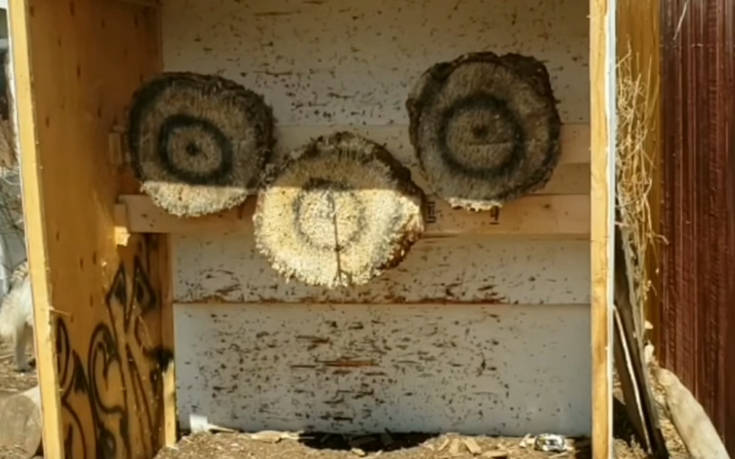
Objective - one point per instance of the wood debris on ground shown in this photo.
(335, 446)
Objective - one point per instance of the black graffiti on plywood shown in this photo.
(115, 398)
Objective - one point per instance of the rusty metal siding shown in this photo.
(698, 309)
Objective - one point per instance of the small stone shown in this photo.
(358, 452)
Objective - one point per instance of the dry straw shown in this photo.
(636, 97)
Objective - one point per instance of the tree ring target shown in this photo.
(485, 128)
(194, 150)
(338, 212)
(199, 143)
(319, 204)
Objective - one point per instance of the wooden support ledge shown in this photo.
(544, 216)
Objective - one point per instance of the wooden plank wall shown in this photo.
(698, 309)
(325, 66)
(97, 307)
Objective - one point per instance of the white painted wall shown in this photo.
(325, 368)
(322, 63)
(468, 269)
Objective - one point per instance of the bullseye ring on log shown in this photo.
(485, 128)
(339, 212)
(199, 143)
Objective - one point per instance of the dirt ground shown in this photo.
(446, 446)
(237, 446)
(323, 446)
(10, 380)
(320, 446)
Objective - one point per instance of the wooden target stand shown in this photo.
(99, 252)
(559, 210)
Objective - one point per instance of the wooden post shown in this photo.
(602, 164)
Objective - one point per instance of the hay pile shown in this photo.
(485, 128)
(339, 212)
(198, 143)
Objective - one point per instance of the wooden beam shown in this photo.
(34, 216)
(602, 164)
(553, 216)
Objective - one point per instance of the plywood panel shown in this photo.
(470, 269)
(97, 307)
(353, 62)
(358, 368)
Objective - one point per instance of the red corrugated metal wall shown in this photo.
(698, 103)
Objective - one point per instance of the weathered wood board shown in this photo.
(327, 66)
(469, 269)
(486, 369)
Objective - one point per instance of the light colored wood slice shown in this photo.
(338, 213)
(21, 422)
(371, 368)
(553, 216)
(470, 269)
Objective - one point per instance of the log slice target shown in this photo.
(199, 143)
(485, 128)
(338, 212)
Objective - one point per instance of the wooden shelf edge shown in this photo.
(546, 216)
